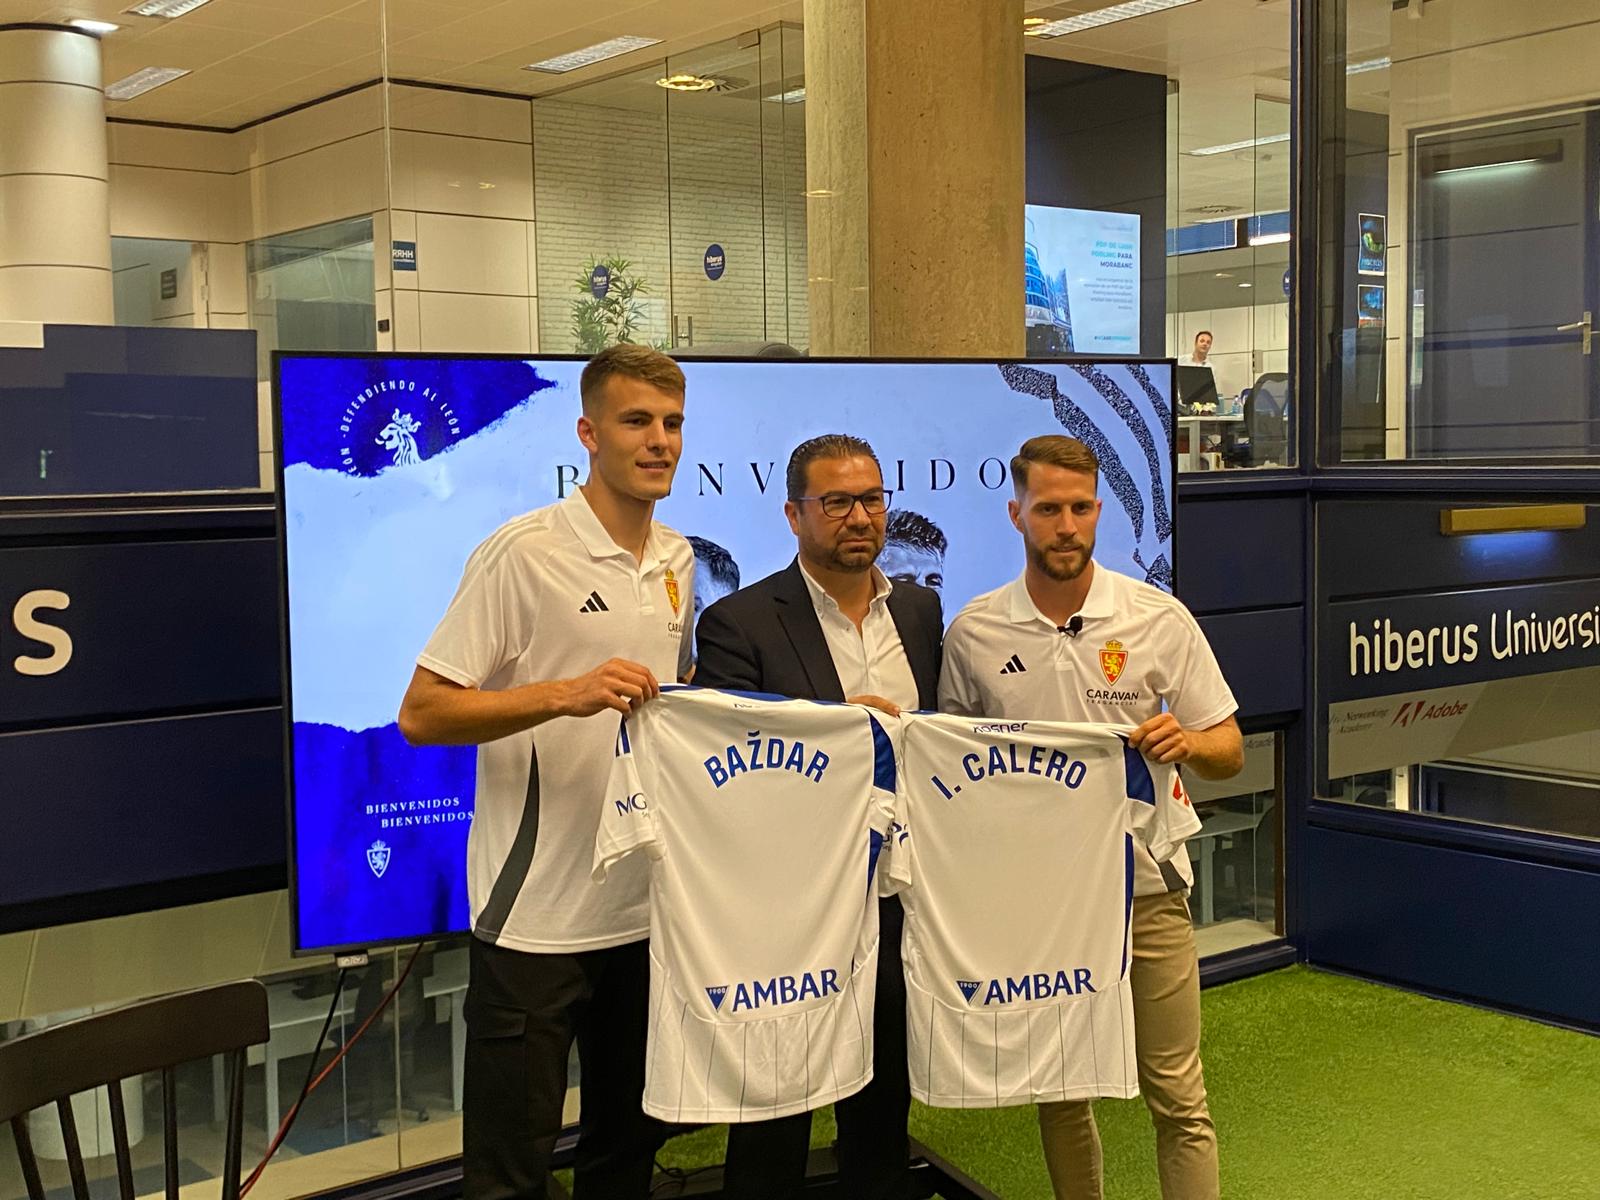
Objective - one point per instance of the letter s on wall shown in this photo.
(59, 641)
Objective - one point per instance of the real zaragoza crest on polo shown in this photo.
(1113, 661)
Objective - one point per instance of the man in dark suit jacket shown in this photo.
(830, 626)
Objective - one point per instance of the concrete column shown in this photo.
(55, 229)
(914, 176)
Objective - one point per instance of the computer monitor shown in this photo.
(1196, 385)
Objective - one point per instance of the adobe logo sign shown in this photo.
(1414, 712)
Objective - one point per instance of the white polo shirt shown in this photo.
(870, 661)
(548, 596)
(1138, 651)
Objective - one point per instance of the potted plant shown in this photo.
(608, 312)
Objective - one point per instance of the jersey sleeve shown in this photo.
(881, 814)
(489, 622)
(626, 821)
(1198, 695)
(899, 871)
(1159, 806)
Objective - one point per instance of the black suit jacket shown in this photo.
(766, 638)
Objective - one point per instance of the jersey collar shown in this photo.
(1098, 603)
(594, 538)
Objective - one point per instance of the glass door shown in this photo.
(736, 167)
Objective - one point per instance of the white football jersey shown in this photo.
(764, 818)
(1014, 848)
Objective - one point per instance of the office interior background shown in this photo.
(1383, 212)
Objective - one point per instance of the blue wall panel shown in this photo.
(1498, 930)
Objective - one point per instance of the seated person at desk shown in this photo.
(1201, 352)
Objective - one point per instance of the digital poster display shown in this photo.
(394, 467)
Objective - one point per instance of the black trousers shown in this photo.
(523, 1013)
(767, 1159)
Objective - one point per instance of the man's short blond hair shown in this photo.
(644, 363)
(1052, 450)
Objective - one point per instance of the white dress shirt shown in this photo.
(870, 661)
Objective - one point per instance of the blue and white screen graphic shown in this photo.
(1081, 278)
(395, 467)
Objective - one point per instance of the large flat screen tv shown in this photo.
(393, 467)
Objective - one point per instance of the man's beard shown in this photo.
(1061, 572)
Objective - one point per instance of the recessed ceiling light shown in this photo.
(165, 8)
(143, 81)
(792, 96)
(1103, 16)
(1247, 285)
(1248, 144)
(689, 83)
(1224, 274)
(1371, 64)
(98, 28)
(590, 55)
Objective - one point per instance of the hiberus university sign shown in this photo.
(1420, 678)
(1380, 646)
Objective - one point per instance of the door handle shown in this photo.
(1586, 325)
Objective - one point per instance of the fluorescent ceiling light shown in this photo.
(1034, 26)
(143, 81)
(1104, 16)
(590, 55)
(98, 28)
(1371, 64)
(1269, 239)
(792, 96)
(1247, 144)
(1245, 285)
(688, 83)
(165, 8)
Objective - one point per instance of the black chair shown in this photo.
(1267, 420)
(56, 1063)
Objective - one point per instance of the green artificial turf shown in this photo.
(1325, 1087)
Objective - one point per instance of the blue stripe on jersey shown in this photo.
(874, 847)
(622, 739)
(882, 757)
(1140, 785)
(1127, 914)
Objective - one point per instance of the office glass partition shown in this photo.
(1236, 855)
(313, 289)
(1462, 293)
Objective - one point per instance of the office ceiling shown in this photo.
(251, 58)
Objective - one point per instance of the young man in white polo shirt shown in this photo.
(512, 668)
(1071, 641)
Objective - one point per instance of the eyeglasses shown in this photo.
(841, 504)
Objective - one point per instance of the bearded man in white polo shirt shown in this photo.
(512, 669)
(1072, 641)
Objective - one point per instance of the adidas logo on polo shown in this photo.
(1013, 666)
(594, 604)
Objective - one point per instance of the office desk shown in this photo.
(1197, 426)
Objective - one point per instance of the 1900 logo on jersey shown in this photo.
(1113, 661)
(394, 423)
